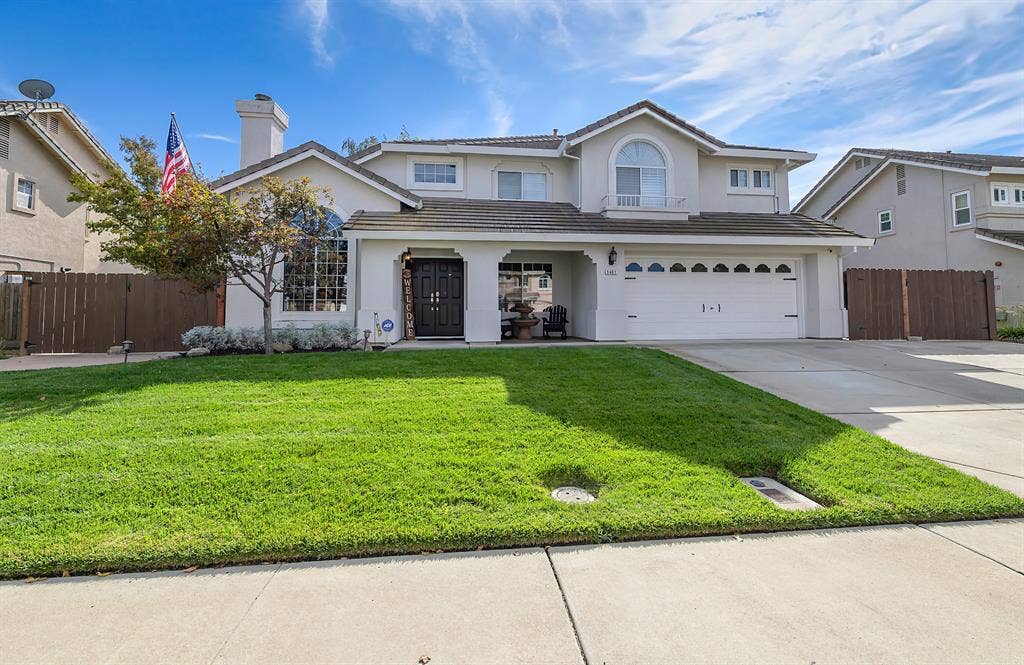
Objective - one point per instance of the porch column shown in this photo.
(609, 315)
(379, 288)
(483, 320)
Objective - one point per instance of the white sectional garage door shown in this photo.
(711, 299)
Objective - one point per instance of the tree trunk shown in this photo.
(268, 330)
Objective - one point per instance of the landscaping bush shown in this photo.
(321, 337)
(1011, 332)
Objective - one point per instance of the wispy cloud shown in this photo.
(215, 137)
(317, 16)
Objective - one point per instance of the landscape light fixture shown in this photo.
(128, 346)
(37, 90)
(612, 256)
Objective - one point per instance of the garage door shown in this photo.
(711, 299)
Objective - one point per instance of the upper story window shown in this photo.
(26, 194)
(641, 177)
(431, 173)
(747, 180)
(1007, 195)
(961, 208)
(522, 186)
(885, 221)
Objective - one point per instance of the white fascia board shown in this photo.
(997, 241)
(597, 238)
(462, 149)
(366, 158)
(1009, 170)
(312, 152)
(939, 167)
(754, 153)
(861, 185)
(711, 147)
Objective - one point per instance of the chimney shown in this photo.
(263, 125)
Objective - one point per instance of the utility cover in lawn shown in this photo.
(304, 456)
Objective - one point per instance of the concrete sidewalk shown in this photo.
(55, 360)
(961, 403)
(939, 593)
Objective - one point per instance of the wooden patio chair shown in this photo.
(556, 320)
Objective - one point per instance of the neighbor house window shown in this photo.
(738, 178)
(522, 186)
(316, 274)
(1000, 195)
(961, 208)
(885, 221)
(529, 283)
(430, 173)
(25, 197)
(762, 179)
(641, 178)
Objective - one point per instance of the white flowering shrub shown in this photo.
(321, 337)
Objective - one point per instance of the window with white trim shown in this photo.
(749, 180)
(762, 179)
(961, 204)
(522, 186)
(434, 173)
(316, 274)
(641, 177)
(885, 221)
(738, 178)
(1006, 194)
(25, 196)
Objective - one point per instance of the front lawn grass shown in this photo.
(217, 460)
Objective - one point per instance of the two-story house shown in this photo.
(930, 211)
(39, 229)
(642, 225)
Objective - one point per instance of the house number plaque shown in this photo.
(407, 313)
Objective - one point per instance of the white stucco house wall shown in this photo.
(640, 224)
(39, 229)
(929, 211)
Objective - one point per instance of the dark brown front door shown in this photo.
(437, 292)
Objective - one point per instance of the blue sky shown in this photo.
(819, 76)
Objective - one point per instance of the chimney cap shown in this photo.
(554, 132)
(261, 97)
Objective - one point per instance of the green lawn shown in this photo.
(210, 460)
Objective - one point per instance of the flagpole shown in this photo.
(191, 164)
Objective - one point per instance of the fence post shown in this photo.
(904, 290)
(26, 315)
(990, 303)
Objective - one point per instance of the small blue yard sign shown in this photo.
(388, 325)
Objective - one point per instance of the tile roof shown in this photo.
(961, 160)
(479, 215)
(541, 141)
(1013, 237)
(313, 145)
(13, 106)
(654, 108)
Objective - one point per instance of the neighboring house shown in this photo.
(39, 229)
(640, 224)
(930, 210)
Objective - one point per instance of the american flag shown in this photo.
(176, 160)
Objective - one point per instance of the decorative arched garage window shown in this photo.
(741, 267)
(762, 268)
(634, 267)
(782, 267)
(721, 267)
(640, 175)
(316, 274)
(699, 267)
(656, 267)
(677, 267)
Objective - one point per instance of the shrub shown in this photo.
(322, 336)
(1011, 332)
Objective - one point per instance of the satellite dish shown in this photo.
(36, 89)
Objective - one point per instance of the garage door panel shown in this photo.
(687, 305)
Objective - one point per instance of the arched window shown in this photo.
(677, 267)
(316, 273)
(699, 267)
(721, 267)
(761, 267)
(656, 267)
(782, 267)
(640, 176)
(741, 267)
(634, 267)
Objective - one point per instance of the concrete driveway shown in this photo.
(961, 403)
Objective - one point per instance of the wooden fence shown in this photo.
(931, 304)
(11, 297)
(90, 312)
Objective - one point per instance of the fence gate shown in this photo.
(90, 312)
(11, 298)
(932, 304)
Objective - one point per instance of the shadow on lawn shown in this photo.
(641, 397)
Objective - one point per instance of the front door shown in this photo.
(437, 291)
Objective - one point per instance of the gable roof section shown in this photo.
(16, 109)
(953, 161)
(448, 215)
(314, 149)
(645, 107)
